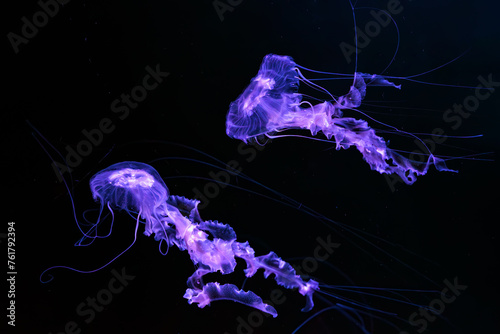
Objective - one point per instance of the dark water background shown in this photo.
(64, 80)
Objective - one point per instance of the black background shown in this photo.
(65, 78)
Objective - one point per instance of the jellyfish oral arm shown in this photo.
(215, 291)
(284, 273)
(219, 255)
(348, 132)
(212, 246)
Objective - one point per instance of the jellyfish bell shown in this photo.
(129, 185)
(133, 187)
(272, 104)
(271, 94)
(132, 178)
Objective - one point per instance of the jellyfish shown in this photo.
(138, 189)
(271, 103)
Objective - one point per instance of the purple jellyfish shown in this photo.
(138, 189)
(271, 104)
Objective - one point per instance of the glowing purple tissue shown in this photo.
(138, 189)
(271, 103)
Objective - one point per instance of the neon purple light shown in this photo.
(212, 246)
(271, 103)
